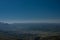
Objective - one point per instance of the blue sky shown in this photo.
(29, 10)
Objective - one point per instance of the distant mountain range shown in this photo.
(30, 27)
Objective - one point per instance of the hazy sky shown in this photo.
(29, 10)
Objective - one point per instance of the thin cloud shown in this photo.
(33, 21)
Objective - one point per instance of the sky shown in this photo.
(29, 11)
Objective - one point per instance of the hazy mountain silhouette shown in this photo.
(30, 26)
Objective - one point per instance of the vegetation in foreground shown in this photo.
(28, 36)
